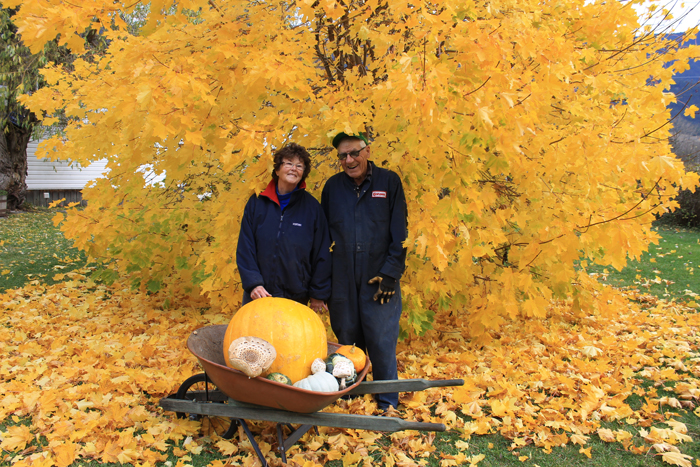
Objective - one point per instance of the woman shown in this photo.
(284, 245)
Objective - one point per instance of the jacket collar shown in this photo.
(271, 192)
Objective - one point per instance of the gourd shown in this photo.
(251, 355)
(355, 354)
(279, 378)
(318, 366)
(295, 330)
(318, 382)
(333, 360)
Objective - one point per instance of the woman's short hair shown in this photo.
(290, 152)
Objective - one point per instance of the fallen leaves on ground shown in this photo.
(86, 365)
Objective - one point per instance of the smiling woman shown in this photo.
(289, 175)
(283, 246)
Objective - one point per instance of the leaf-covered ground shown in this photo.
(85, 365)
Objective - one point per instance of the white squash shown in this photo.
(319, 382)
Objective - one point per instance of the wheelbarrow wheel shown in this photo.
(199, 388)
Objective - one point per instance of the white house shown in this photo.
(48, 181)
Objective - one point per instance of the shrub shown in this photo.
(686, 145)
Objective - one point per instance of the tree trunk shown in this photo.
(13, 163)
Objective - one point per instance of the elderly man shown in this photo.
(366, 211)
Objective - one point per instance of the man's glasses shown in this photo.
(354, 154)
(289, 165)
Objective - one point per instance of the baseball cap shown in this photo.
(341, 136)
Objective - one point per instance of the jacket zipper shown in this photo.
(280, 227)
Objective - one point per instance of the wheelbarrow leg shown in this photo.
(286, 443)
(251, 438)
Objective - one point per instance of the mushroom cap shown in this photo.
(251, 355)
(343, 369)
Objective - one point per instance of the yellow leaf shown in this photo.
(665, 447)
(226, 448)
(591, 351)
(64, 454)
(677, 426)
(677, 458)
(690, 111)
(16, 438)
(462, 445)
(351, 458)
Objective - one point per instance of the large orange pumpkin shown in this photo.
(295, 330)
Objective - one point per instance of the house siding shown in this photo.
(49, 181)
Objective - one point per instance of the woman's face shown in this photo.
(289, 174)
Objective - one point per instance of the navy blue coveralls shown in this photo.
(368, 225)
(287, 253)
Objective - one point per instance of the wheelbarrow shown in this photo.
(223, 392)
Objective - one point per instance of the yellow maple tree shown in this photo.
(528, 135)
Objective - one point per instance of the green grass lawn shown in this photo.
(32, 249)
(669, 270)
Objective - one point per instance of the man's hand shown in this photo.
(385, 289)
(318, 305)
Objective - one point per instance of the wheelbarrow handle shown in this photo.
(403, 385)
(337, 420)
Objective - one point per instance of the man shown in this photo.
(366, 211)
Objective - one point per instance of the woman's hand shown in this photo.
(259, 292)
(317, 305)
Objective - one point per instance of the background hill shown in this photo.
(686, 143)
(686, 139)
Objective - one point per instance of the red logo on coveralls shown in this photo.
(379, 194)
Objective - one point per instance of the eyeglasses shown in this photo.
(289, 165)
(354, 154)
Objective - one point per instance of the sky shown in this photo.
(686, 13)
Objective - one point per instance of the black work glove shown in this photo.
(385, 290)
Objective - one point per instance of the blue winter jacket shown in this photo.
(287, 253)
(368, 225)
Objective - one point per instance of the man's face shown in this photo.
(355, 167)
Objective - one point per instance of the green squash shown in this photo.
(279, 378)
(333, 359)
